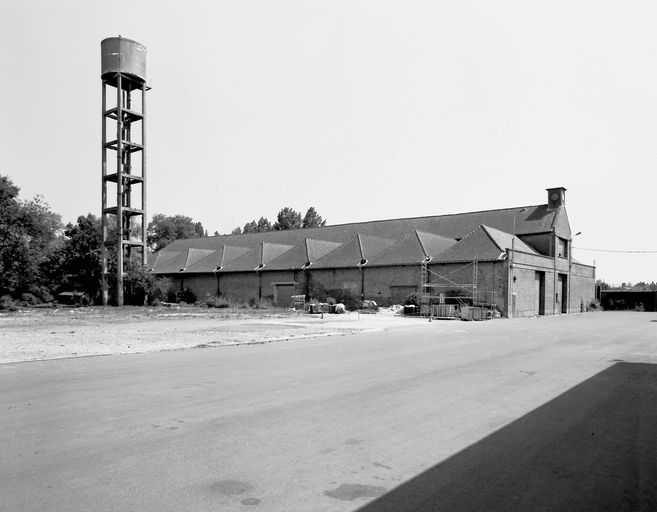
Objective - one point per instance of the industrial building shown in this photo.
(516, 260)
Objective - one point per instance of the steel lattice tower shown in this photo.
(123, 213)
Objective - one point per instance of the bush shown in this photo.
(261, 303)
(7, 303)
(217, 302)
(41, 294)
(594, 305)
(160, 290)
(413, 299)
(185, 295)
(27, 299)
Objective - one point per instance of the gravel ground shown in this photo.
(38, 334)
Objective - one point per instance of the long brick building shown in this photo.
(470, 256)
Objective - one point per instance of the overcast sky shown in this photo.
(365, 109)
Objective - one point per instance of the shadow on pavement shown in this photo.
(593, 448)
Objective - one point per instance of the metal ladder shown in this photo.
(425, 300)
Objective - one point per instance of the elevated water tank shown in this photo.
(119, 54)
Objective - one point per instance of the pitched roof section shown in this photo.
(348, 244)
(433, 245)
(306, 252)
(361, 249)
(561, 224)
(257, 258)
(216, 259)
(160, 258)
(536, 219)
(412, 249)
(505, 240)
(180, 261)
(316, 249)
(370, 246)
(482, 244)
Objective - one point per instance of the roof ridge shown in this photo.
(360, 247)
(369, 222)
(305, 243)
(424, 249)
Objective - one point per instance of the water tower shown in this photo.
(123, 213)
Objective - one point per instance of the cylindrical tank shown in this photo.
(119, 54)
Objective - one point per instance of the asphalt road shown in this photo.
(553, 414)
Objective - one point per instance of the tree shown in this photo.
(288, 218)
(28, 236)
(312, 219)
(77, 263)
(261, 226)
(164, 229)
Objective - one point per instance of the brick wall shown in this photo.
(202, 285)
(491, 281)
(239, 286)
(344, 285)
(271, 278)
(379, 280)
(527, 297)
(582, 287)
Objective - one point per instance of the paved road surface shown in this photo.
(552, 414)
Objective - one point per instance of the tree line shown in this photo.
(41, 257)
(287, 218)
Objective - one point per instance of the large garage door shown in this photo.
(283, 295)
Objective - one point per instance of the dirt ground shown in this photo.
(38, 334)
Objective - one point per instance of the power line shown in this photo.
(613, 250)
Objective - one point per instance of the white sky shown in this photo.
(365, 109)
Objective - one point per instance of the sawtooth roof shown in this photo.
(379, 242)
